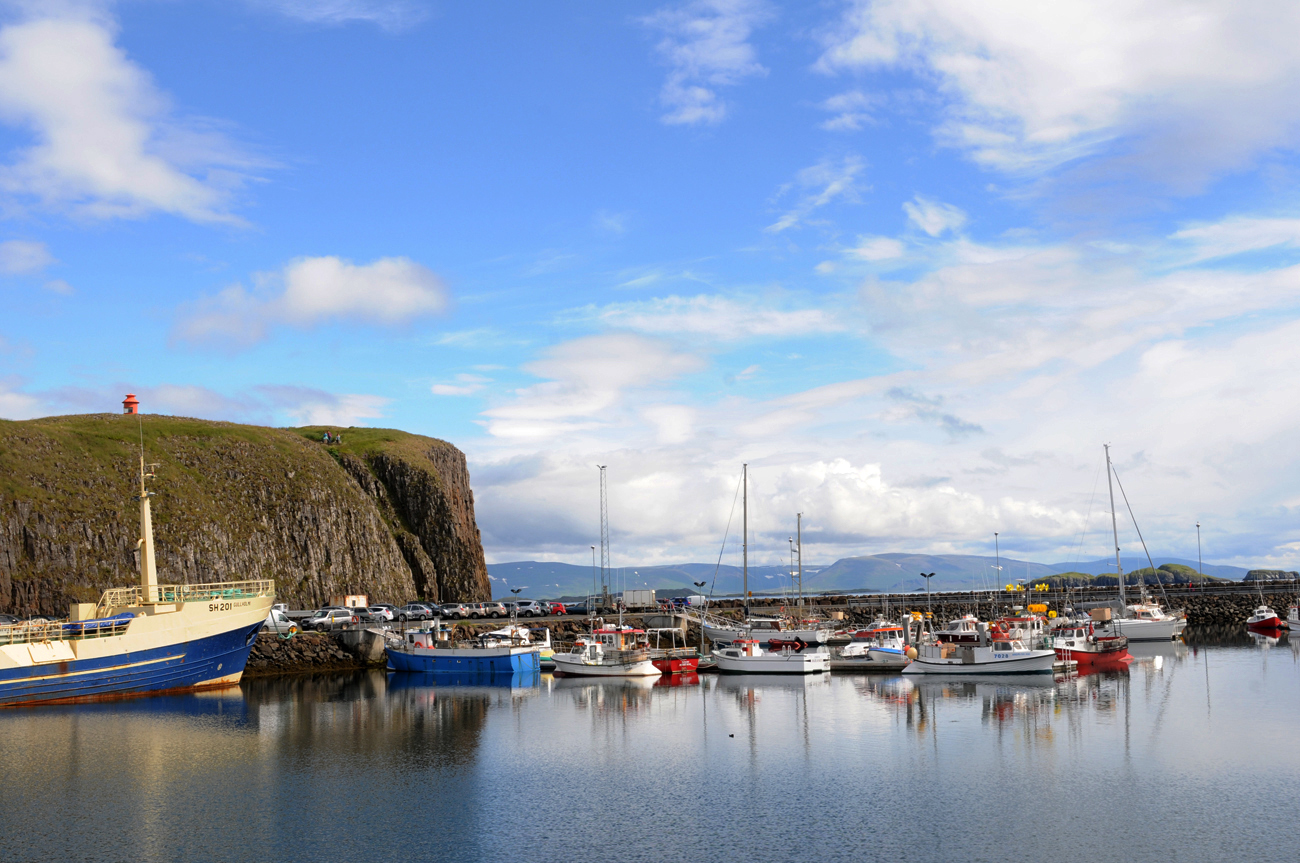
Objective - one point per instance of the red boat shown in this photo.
(1079, 641)
(672, 659)
(1265, 619)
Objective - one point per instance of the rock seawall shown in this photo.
(386, 513)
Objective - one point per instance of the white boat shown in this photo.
(1293, 619)
(746, 656)
(764, 630)
(881, 640)
(1144, 621)
(608, 652)
(997, 657)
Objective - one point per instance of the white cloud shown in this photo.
(876, 249)
(1239, 234)
(15, 404)
(585, 383)
(465, 385)
(388, 291)
(313, 407)
(1008, 364)
(59, 286)
(852, 110)
(1186, 88)
(819, 185)
(19, 257)
(722, 318)
(392, 15)
(706, 45)
(933, 217)
(106, 142)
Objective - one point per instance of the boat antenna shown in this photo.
(1114, 526)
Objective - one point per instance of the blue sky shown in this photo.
(913, 260)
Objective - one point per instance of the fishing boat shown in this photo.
(1028, 628)
(1293, 618)
(430, 650)
(1079, 641)
(672, 659)
(747, 656)
(608, 652)
(139, 640)
(882, 640)
(1265, 619)
(991, 656)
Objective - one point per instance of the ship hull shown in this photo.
(487, 660)
(208, 661)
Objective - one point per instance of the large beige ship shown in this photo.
(137, 640)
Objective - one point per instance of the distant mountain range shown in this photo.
(882, 573)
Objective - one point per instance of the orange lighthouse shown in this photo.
(130, 404)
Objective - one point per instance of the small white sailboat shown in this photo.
(1143, 620)
(746, 656)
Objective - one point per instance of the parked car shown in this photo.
(9, 620)
(415, 611)
(554, 607)
(457, 610)
(530, 608)
(488, 609)
(329, 619)
(279, 623)
(365, 615)
(575, 608)
(389, 612)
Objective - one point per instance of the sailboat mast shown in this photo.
(744, 542)
(1114, 526)
(798, 532)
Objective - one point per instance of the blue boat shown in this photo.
(422, 651)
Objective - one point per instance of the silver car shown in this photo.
(329, 619)
(279, 623)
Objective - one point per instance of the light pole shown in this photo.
(928, 612)
(1198, 555)
(514, 606)
(699, 585)
(593, 572)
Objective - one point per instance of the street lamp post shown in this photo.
(1198, 555)
(514, 606)
(699, 585)
(928, 611)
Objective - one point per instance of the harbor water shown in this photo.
(1189, 756)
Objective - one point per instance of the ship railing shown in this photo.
(40, 630)
(125, 597)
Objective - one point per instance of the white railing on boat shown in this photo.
(41, 631)
(126, 597)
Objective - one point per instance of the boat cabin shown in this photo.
(963, 630)
(625, 638)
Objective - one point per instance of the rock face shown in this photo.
(386, 513)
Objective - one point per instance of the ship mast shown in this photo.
(744, 543)
(1114, 526)
(148, 567)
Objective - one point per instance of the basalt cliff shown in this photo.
(383, 513)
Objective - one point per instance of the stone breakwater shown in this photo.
(1208, 609)
(305, 652)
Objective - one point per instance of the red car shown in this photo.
(554, 607)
